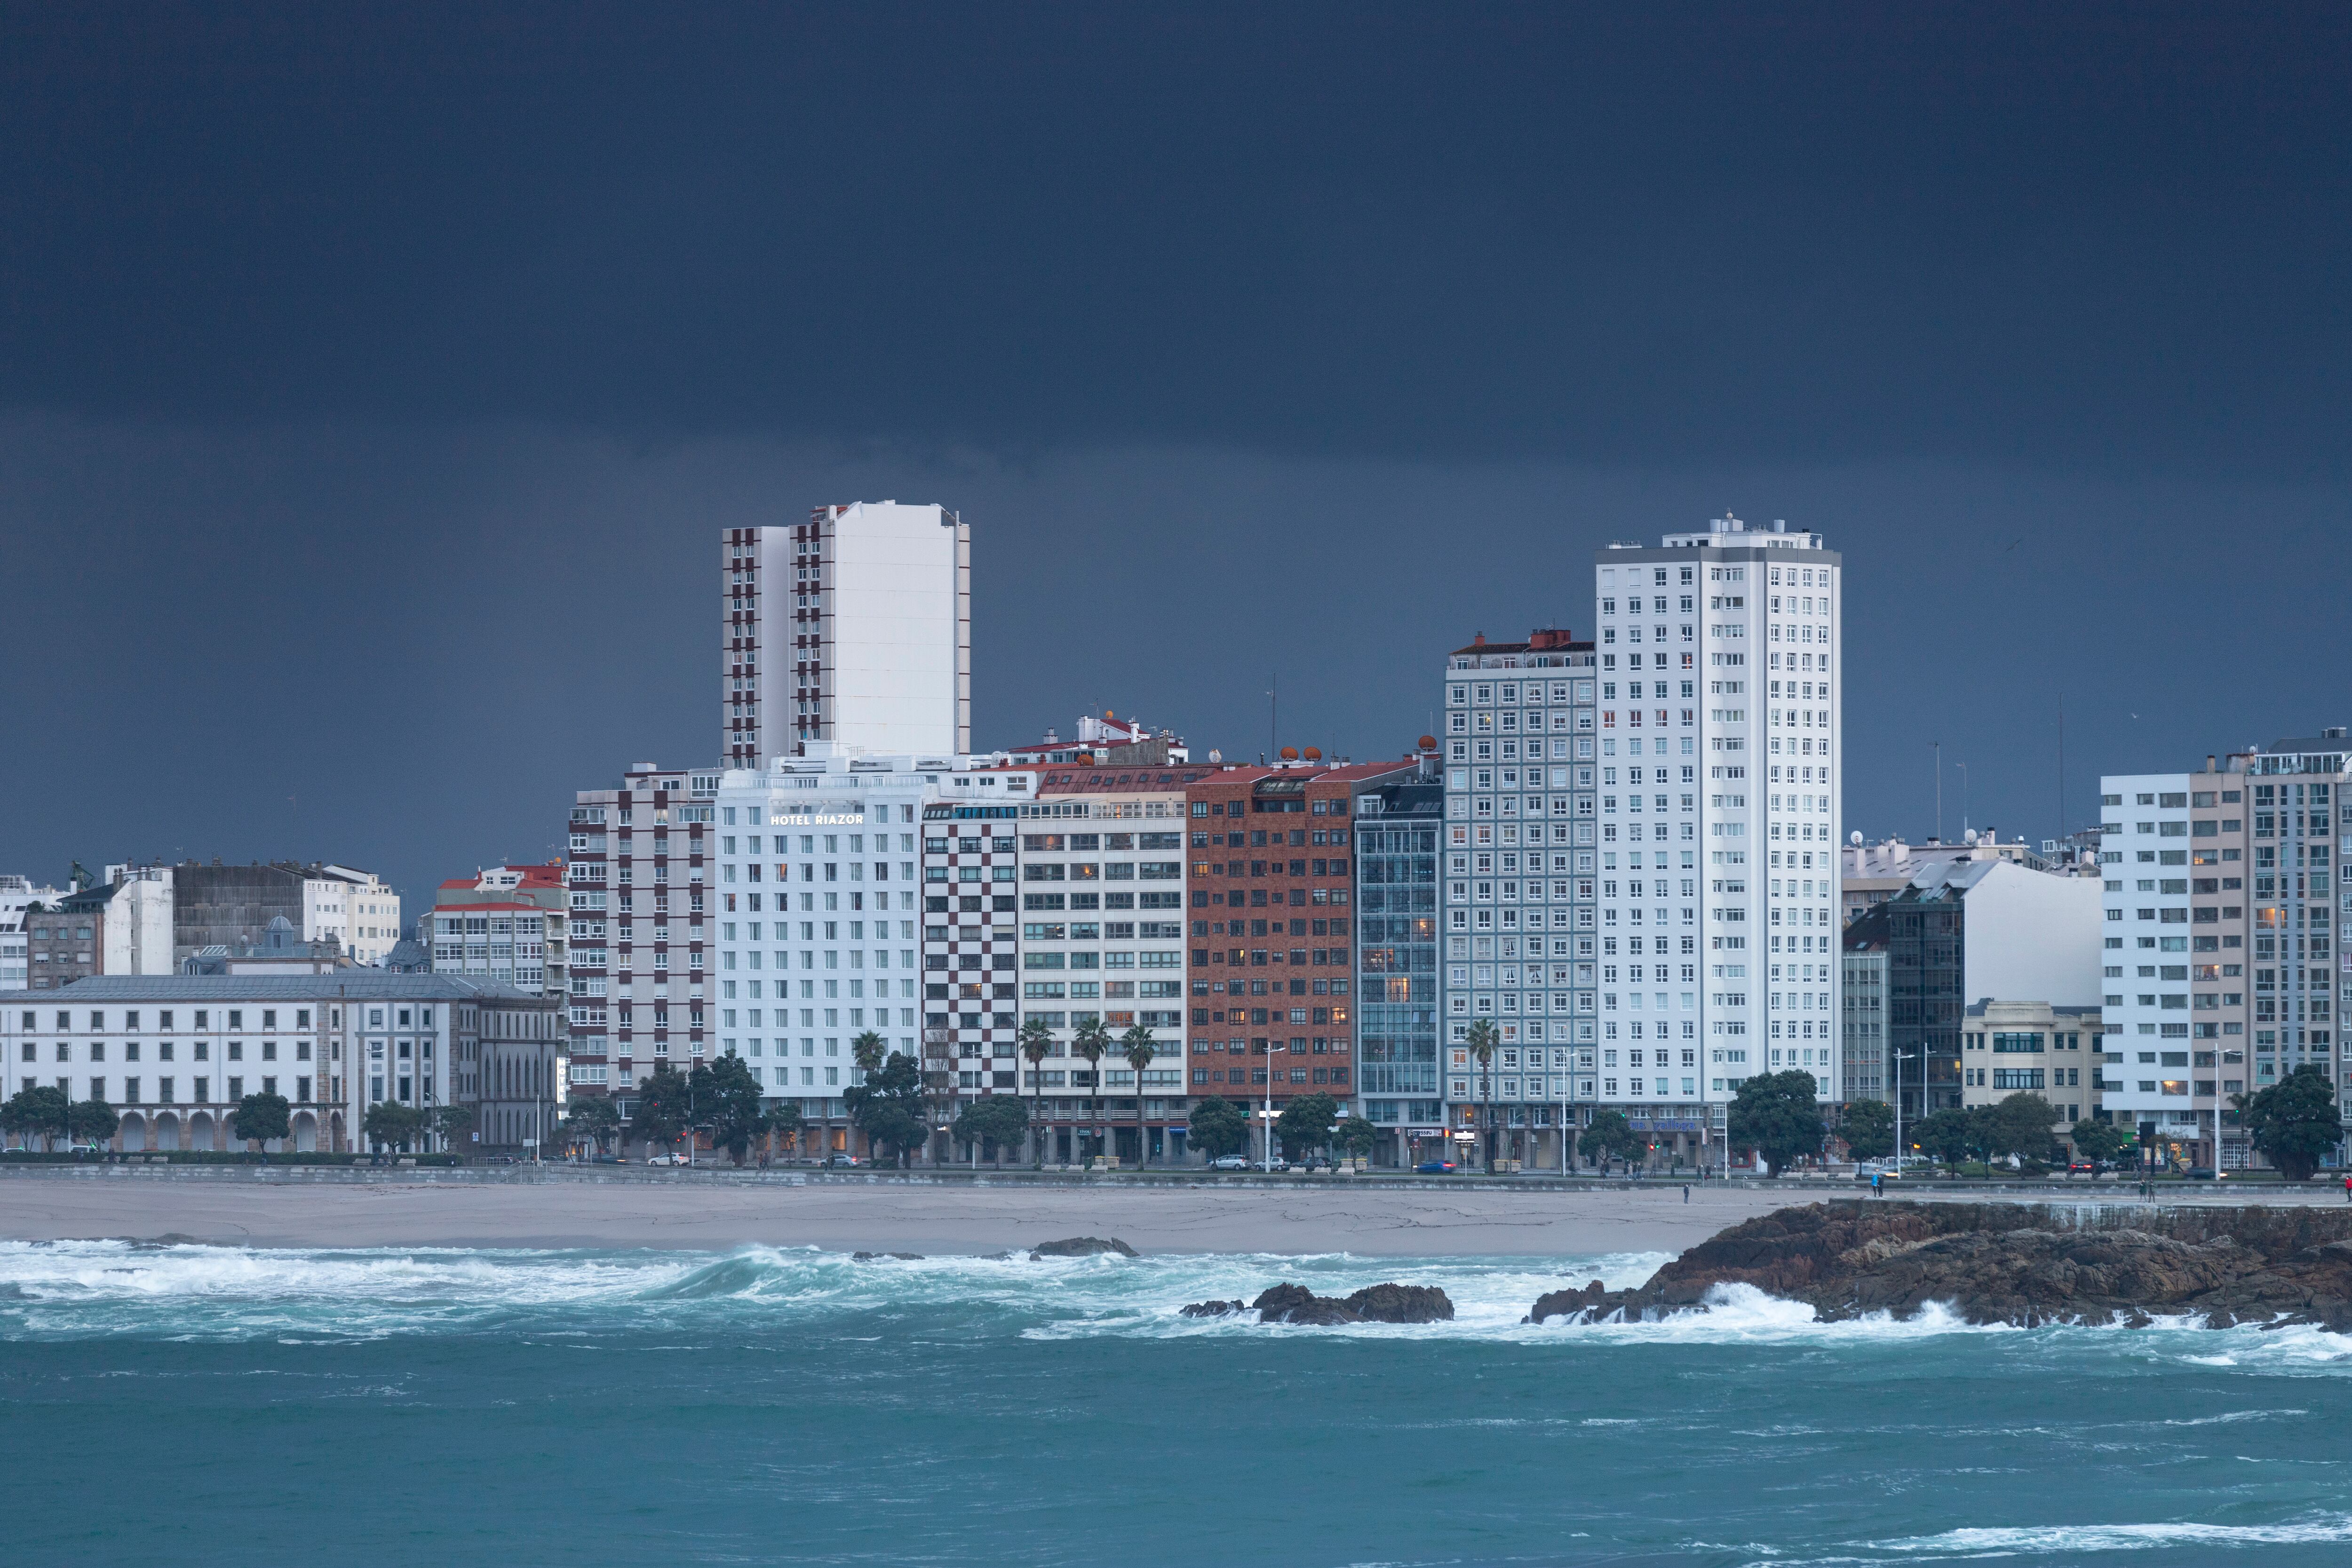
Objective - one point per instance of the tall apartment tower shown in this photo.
(1720, 801)
(1519, 937)
(853, 629)
(2224, 950)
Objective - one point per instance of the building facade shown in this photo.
(1720, 758)
(1399, 995)
(853, 629)
(2223, 964)
(1965, 930)
(818, 925)
(1862, 1049)
(639, 928)
(120, 926)
(1520, 910)
(174, 1054)
(1095, 864)
(230, 907)
(507, 925)
(2032, 1048)
(1272, 997)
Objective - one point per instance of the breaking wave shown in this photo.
(80, 1289)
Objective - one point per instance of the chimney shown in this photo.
(2209, 760)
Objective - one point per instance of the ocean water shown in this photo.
(216, 1405)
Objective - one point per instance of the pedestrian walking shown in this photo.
(2348, 1191)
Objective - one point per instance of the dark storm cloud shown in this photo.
(374, 380)
(2081, 236)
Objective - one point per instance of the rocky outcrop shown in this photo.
(881, 1256)
(1387, 1303)
(1081, 1247)
(2021, 1263)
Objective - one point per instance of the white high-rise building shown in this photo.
(1720, 806)
(853, 629)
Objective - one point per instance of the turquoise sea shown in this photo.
(201, 1404)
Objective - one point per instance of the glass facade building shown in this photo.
(1397, 829)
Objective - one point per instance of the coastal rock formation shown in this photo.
(1080, 1247)
(2021, 1264)
(880, 1257)
(1387, 1303)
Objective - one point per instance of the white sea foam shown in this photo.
(1986, 1541)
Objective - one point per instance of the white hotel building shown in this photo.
(820, 933)
(1720, 813)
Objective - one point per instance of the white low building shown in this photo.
(174, 1054)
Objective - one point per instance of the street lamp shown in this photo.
(1898, 1058)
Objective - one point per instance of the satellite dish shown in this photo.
(1290, 753)
(1428, 742)
(1314, 754)
(1854, 838)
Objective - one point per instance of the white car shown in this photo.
(1229, 1162)
(669, 1159)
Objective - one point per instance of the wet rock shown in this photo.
(878, 1257)
(1403, 1304)
(1213, 1309)
(1081, 1247)
(2020, 1264)
(1296, 1304)
(1390, 1303)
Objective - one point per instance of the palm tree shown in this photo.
(1092, 1041)
(1482, 1041)
(1036, 1040)
(1142, 1048)
(868, 1050)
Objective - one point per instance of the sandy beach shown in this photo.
(880, 1217)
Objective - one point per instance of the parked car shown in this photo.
(1434, 1168)
(1229, 1162)
(669, 1159)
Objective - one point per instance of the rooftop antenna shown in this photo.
(2061, 765)
(1940, 790)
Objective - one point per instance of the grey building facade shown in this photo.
(1518, 887)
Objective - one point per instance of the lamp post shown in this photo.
(1898, 1058)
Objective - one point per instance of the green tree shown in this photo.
(1482, 1040)
(997, 1118)
(1945, 1134)
(92, 1121)
(868, 1050)
(450, 1123)
(591, 1119)
(1868, 1129)
(727, 1105)
(1218, 1128)
(261, 1117)
(2102, 1142)
(388, 1124)
(1092, 1042)
(1611, 1136)
(37, 1109)
(889, 1107)
(1141, 1050)
(1304, 1124)
(2020, 1124)
(1777, 1115)
(1037, 1043)
(1357, 1137)
(661, 1111)
(2293, 1122)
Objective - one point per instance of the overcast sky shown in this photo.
(372, 388)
